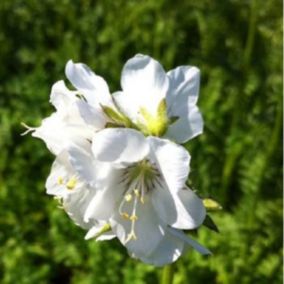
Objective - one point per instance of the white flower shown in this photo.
(74, 195)
(78, 113)
(141, 191)
(161, 104)
(116, 182)
(73, 120)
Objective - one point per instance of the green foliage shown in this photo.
(238, 160)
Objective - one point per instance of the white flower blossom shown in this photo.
(78, 113)
(141, 192)
(74, 195)
(127, 182)
(160, 103)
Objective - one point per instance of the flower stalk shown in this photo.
(167, 274)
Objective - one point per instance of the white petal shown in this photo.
(82, 160)
(168, 251)
(60, 170)
(188, 241)
(145, 80)
(61, 130)
(106, 237)
(184, 87)
(93, 87)
(164, 203)
(119, 145)
(128, 105)
(108, 197)
(61, 97)
(182, 209)
(51, 132)
(93, 117)
(190, 208)
(188, 126)
(172, 161)
(148, 229)
(75, 205)
(76, 199)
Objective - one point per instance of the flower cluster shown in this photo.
(120, 170)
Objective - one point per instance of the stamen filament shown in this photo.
(139, 179)
(133, 219)
(29, 129)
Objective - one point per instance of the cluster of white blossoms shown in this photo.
(120, 170)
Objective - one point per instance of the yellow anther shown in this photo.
(60, 181)
(142, 200)
(71, 183)
(128, 197)
(125, 215)
(136, 192)
(133, 218)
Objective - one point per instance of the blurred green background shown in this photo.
(237, 44)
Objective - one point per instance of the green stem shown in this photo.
(251, 34)
(167, 274)
(231, 159)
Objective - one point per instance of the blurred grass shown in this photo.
(237, 45)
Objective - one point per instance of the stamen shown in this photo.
(143, 189)
(128, 197)
(138, 179)
(60, 180)
(125, 215)
(71, 183)
(133, 218)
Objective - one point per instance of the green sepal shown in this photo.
(81, 97)
(210, 224)
(113, 125)
(173, 119)
(106, 228)
(118, 119)
(112, 114)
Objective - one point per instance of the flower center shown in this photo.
(154, 124)
(139, 179)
